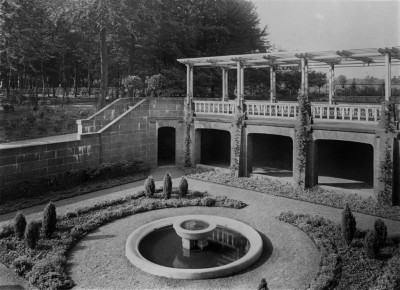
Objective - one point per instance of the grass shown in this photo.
(24, 123)
(44, 266)
(315, 195)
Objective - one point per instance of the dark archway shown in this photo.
(215, 147)
(272, 155)
(166, 146)
(345, 164)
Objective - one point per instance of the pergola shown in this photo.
(385, 57)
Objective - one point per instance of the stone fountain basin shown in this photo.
(197, 234)
(135, 257)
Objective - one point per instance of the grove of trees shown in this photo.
(45, 44)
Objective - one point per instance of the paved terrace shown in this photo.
(92, 270)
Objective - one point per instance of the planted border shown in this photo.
(44, 266)
(315, 195)
(345, 266)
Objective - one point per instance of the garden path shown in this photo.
(260, 206)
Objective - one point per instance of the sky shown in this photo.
(332, 25)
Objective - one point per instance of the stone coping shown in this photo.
(136, 258)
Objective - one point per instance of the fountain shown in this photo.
(194, 233)
(193, 247)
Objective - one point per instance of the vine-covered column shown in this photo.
(387, 171)
(304, 152)
(188, 118)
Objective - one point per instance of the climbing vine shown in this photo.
(302, 135)
(237, 124)
(188, 141)
(386, 176)
(387, 118)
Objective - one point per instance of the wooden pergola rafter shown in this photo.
(387, 57)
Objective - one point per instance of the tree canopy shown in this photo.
(69, 43)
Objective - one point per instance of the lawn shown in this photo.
(26, 123)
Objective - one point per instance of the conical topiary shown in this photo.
(49, 220)
(183, 187)
(19, 225)
(380, 232)
(149, 187)
(32, 234)
(167, 189)
(371, 246)
(348, 225)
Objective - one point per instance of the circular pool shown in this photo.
(157, 247)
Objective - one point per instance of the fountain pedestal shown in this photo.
(194, 232)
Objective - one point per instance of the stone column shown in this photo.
(331, 83)
(272, 76)
(304, 75)
(388, 77)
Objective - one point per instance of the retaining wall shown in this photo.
(130, 135)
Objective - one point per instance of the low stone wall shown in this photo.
(103, 117)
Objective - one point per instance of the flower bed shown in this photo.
(315, 195)
(347, 267)
(44, 266)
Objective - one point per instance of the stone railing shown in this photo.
(214, 107)
(272, 110)
(359, 112)
(257, 109)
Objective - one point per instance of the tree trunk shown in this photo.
(75, 81)
(103, 63)
(88, 83)
(131, 62)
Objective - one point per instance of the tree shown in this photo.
(104, 15)
(317, 79)
(342, 80)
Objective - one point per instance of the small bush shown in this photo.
(22, 265)
(208, 201)
(50, 274)
(183, 187)
(6, 230)
(380, 232)
(19, 225)
(348, 225)
(263, 285)
(371, 245)
(149, 187)
(49, 220)
(167, 190)
(32, 234)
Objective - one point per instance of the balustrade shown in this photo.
(346, 113)
(214, 107)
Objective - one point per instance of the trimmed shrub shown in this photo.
(371, 246)
(19, 225)
(380, 232)
(167, 189)
(49, 220)
(6, 230)
(32, 234)
(183, 187)
(50, 274)
(22, 265)
(149, 187)
(208, 201)
(348, 225)
(263, 285)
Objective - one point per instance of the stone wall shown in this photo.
(130, 135)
